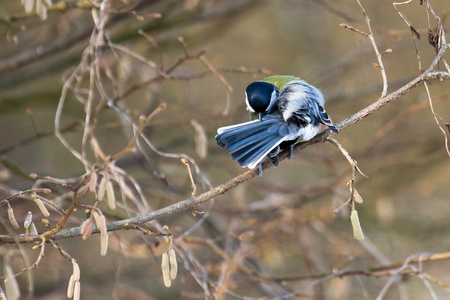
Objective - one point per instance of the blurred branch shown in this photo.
(183, 205)
(333, 10)
(382, 271)
(38, 135)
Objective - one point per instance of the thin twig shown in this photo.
(375, 48)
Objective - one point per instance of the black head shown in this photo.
(261, 96)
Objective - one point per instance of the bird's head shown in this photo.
(260, 97)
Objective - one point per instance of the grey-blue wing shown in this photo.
(325, 119)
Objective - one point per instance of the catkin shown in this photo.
(28, 220)
(11, 217)
(70, 287)
(357, 197)
(11, 285)
(76, 291)
(88, 229)
(32, 229)
(102, 187)
(111, 197)
(357, 230)
(165, 269)
(103, 244)
(173, 264)
(101, 222)
(76, 270)
(201, 140)
(41, 206)
(84, 226)
(93, 180)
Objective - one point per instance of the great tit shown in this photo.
(293, 116)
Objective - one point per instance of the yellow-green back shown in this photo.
(281, 80)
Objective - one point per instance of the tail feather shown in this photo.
(253, 154)
(250, 142)
(241, 140)
(243, 153)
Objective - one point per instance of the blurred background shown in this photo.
(280, 225)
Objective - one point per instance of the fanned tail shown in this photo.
(250, 142)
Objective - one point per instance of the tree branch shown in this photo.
(224, 187)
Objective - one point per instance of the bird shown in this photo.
(293, 116)
(261, 98)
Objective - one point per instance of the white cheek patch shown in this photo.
(248, 104)
(273, 99)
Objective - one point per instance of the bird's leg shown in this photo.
(260, 117)
(291, 150)
(260, 169)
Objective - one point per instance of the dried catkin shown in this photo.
(357, 230)
(111, 197)
(28, 220)
(41, 206)
(173, 264)
(76, 270)
(70, 287)
(103, 244)
(357, 197)
(32, 229)
(11, 217)
(102, 187)
(76, 291)
(165, 269)
(93, 180)
(11, 285)
(101, 222)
